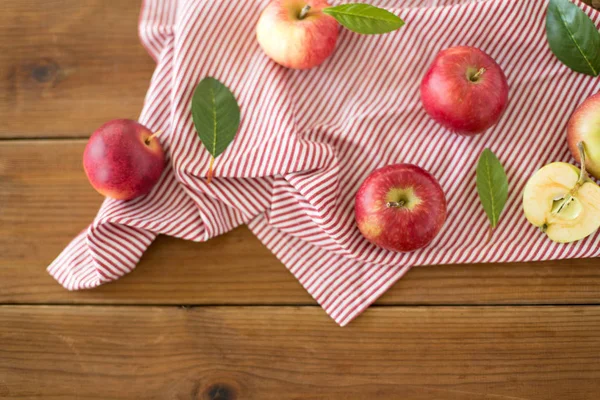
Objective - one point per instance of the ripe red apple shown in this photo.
(584, 126)
(296, 33)
(123, 159)
(400, 207)
(464, 90)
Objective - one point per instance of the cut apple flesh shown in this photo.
(556, 201)
(545, 187)
(579, 219)
(568, 207)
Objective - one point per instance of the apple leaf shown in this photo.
(573, 37)
(492, 186)
(216, 116)
(365, 18)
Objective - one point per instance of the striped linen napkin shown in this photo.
(309, 138)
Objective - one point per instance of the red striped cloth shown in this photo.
(309, 138)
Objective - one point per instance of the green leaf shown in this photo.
(573, 37)
(492, 186)
(216, 116)
(365, 18)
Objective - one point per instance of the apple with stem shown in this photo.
(400, 207)
(123, 159)
(562, 201)
(296, 33)
(584, 126)
(464, 90)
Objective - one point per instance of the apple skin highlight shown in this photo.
(464, 90)
(584, 126)
(293, 42)
(418, 216)
(121, 162)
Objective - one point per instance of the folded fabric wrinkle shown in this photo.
(309, 138)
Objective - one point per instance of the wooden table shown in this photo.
(224, 319)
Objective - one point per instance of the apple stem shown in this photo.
(304, 12)
(155, 134)
(209, 174)
(583, 175)
(490, 233)
(477, 74)
(395, 204)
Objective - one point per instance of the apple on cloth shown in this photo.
(309, 138)
(296, 33)
(584, 127)
(400, 207)
(465, 90)
(123, 159)
(301, 34)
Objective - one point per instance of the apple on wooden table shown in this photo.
(123, 159)
(400, 207)
(464, 90)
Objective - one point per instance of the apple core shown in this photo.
(562, 201)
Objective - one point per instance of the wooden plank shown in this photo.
(45, 200)
(277, 353)
(593, 3)
(68, 66)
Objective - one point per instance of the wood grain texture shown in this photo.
(276, 353)
(593, 3)
(68, 66)
(45, 200)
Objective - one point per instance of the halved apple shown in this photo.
(563, 202)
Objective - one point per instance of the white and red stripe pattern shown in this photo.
(309, 138)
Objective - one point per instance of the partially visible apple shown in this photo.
(464, 90)
(296, 33)
(123, 159)
(400, 207)
(561, 200)
(584, 126)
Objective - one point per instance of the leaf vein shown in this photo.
(560, 14)
(489, 181)
(214, 110)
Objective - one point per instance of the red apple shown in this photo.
(123, 159)
(584, 126)
(464, 90)
(296, 33)
(400, 207)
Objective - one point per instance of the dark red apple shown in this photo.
(400, 207)
(464, 90)
(123, 159)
